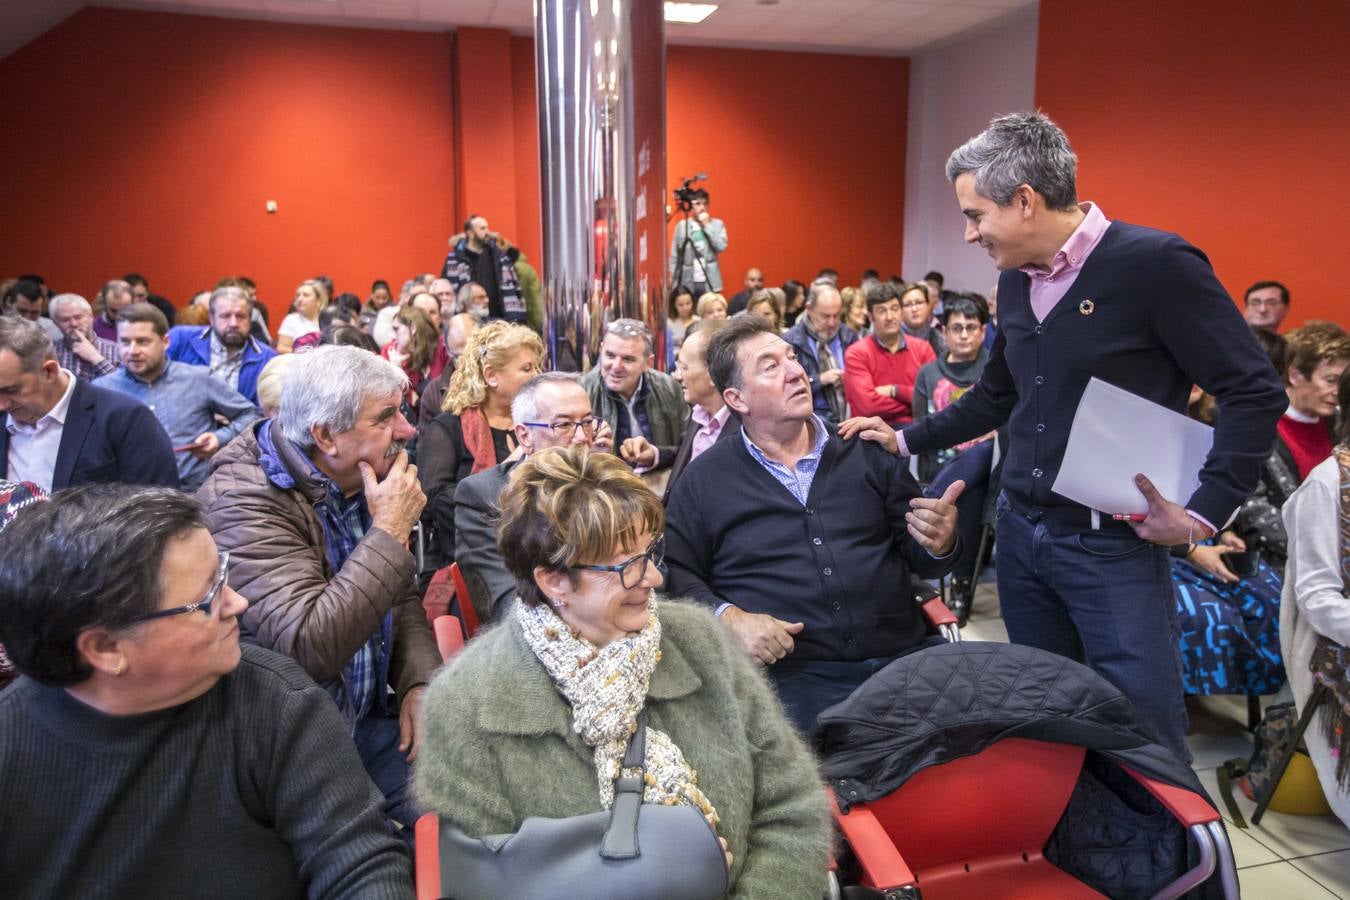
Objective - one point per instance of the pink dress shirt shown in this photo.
(709, 427)
(1048, 288)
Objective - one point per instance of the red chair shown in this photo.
(467, 613)
(449, 636)
(976, 828)
(427, 857)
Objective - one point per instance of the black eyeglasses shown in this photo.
(632, 571)
(963, 329)
(203, 604)
(567, 428)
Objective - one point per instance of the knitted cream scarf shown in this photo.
(607, 687)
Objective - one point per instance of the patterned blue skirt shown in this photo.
(1230, 633)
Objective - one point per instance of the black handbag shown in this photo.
(634, 851)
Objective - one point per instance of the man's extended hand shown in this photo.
(933, 522)
(396, 502)
(410, 721)
(639, 451)
(1166, 523)
(205, 446)
(831, 377)
(870, 428)
(765, 638)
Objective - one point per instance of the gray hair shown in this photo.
(27, 341)
(230, 291)
(524, 408)
(1017, 149)
(464, 296)
(61, 300)
(327, 386)
(633, 328)
(819, 288)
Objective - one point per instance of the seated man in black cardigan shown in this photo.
(802, 543)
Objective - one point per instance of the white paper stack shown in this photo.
(1116, 435)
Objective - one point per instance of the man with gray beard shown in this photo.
(315, 508)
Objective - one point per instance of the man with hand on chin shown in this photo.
(803, 544)
(184, 398)
(80, 351)
(1082, 296)
(316, 508)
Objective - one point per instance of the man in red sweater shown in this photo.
(1317, 355)
(879, 370)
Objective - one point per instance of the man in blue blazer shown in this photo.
(57, 431)
(224, 346)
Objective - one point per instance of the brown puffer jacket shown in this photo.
(298, 605)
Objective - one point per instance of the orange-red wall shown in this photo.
(805, 155)
(152, 141)
(1227, 123)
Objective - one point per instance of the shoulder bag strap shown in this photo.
(620, 840)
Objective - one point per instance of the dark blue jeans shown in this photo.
(1102, 598)
(809, 687)
(377, 744)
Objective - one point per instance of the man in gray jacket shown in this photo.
(550, 410)
(694, 248)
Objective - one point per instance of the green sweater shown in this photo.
(498, 746)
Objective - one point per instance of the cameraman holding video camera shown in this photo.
(697, 240)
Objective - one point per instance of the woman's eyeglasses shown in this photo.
(203, 604)
(632, 571)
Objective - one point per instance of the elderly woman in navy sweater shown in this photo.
(144, 753)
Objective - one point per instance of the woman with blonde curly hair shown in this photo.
(586, 657)
(474, 430)
(310, 299)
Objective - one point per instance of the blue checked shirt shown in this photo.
(798, 479)
(344, 522)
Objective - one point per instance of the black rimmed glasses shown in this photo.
(203, 604)
(632, 571)
(964, 329)
(567, 427)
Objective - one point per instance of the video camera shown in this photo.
(685, 193)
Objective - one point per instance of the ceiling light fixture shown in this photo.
(689, 13)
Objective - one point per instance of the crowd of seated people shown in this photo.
(1228, 588)
(316, 451)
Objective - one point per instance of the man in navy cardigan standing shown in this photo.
(802, 543)
(1082, 296)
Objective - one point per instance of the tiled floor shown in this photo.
(1285, 857)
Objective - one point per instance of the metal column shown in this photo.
(601, 72)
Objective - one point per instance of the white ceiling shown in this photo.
(875, 27)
